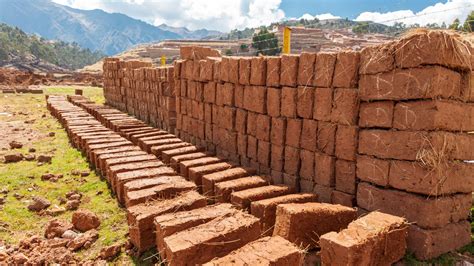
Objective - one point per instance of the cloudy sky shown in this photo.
(225, 15)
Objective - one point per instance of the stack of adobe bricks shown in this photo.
(142, 90)
(415, 114)
(291, 117)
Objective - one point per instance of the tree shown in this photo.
(362, 27)
(265, 42)
(469, 23)
(228, 52)
(455, 25)
(244, 47)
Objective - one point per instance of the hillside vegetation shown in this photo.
(17, 45)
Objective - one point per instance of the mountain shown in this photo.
(97, 30)
(188, 34)
(30, 52)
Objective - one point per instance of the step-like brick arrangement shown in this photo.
(375, 239)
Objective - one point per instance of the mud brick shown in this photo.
(252, 123)
(262, 251)
(415, 83)
(175, 160)
(293, 132)
(307, 165)
(125, 167)
(241, 121)
(263, 153)
(345, 106)
(240, 229)
(162, 191)
(277, 157)
(141, 216)
(373, 170)
(217, 70)
(95, 155)
(309, 135)
(184, 166)
(346, 71)
(265, 209)
(224, 189)
(324, 166)
(263, 127)
(292, 160)
(319, 219)
(208, 113)
(341, 198)
(151, 182)
(436, 48)
(147, 145)
(428, 213)
(228, 141)
(323, 98)
(227, 117)
(210, 92)
(191, 93)
(234, 70)
(428, 244)
(288, 102)
(448, 178)
(225, 94)
(278, 131)
(273, 101)
(306, 186)
(122, 178)
(171, 146)
(107, 163)
(167, 155)
(244, 71)
(292, 181)
(376, 59)
(242, 144)
(276, 177)
(199, 92)
(408, 145)
(304, 102)
(324, 193)
(239, 96)
(306, 69)
(255, 99)
(467, 89)
(376, 114)
(326, 137)
(252, 147)
(196, 173)
(289, 70)
(244, 198)
(346, 142)
(97, 147)
(171, 223)
(209, 181)
(324, 69)
(224, 69)
(206, 68)
(100, 164)
(258, 72)
(434, 115)
(366, 240)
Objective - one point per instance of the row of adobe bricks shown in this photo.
(154, 192)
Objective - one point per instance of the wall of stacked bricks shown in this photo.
(141, 90)
(382, 129)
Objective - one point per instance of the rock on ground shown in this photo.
(84, 220)
(39, 204)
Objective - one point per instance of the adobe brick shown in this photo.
(346, 142)
(277, 157)
(289, 70)
(224, 189)
(319, 219)
(307, 165)
(324, 166)
(244, 71)
(304, 102)
(196, 173)
(346, 71)
(252, 124)
(376, 114)
(234, 70)
(324, 69)
(309, 135)
(324, 193)
(323, 104)
(292, 160)
(428, 213)
(306, 69)
(263, 127)
(242, 199)
(293, 132)
(273, 101)
(288, 102)
(258, 71)
(373, 170)
(184, 166)
(273, 71)
(366, 240)
(210, 180)
(162, 191)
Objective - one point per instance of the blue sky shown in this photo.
(225, 15)
(351, 8)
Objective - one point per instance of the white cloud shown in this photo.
(193, 14)
(438, 13)
(320, 16)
